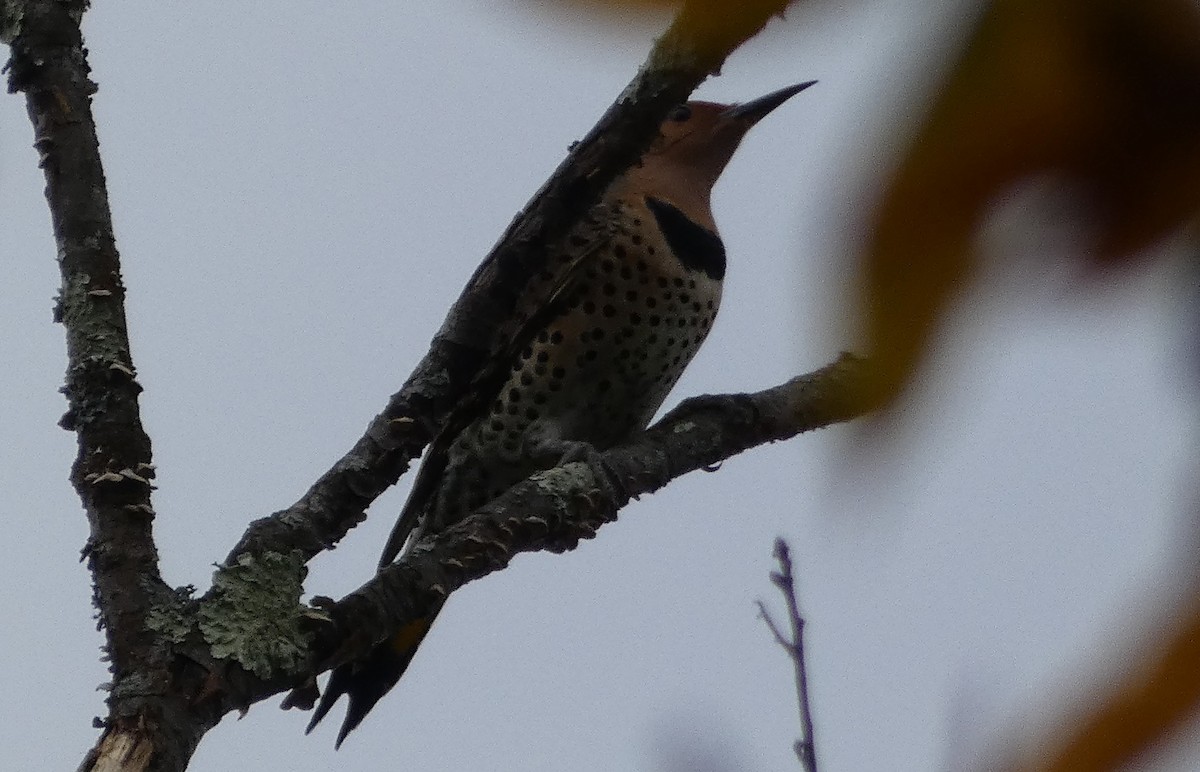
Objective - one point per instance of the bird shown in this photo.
(594, 345)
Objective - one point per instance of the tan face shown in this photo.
(699, 133)
(701, 136)
(695, 143)
(689, 119)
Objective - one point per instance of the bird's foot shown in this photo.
(558, 452)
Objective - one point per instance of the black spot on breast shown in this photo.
(698, 248)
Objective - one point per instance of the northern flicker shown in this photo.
(596, 343)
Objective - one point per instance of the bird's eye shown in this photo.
(680, 113)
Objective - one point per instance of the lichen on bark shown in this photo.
(253, 613)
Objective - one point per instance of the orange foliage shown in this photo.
(1105, 93)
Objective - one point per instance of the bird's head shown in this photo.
(695, 143)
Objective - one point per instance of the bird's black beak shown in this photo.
(754, 110)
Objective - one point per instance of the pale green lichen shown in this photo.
(170, 618)
(253, 616)
(564, 481)
(12, 14)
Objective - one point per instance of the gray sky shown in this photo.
(300, 190)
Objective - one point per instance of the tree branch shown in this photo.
(113, 469)
(703, 34)
(554, 510)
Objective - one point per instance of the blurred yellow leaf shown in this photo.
(710, 28)
(1163, 695)
(1104, 93)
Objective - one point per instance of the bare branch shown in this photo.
(805, 747)
(113, 469)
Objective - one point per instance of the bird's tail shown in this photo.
(368, 679)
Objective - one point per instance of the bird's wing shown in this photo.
(548, 295)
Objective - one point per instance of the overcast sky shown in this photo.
(299, 192)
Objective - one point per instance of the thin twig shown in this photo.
(805, 747)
